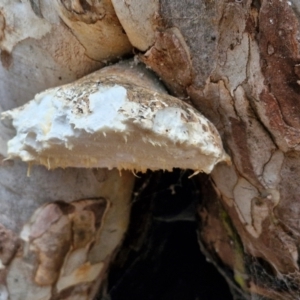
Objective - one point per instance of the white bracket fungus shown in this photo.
(118, 117)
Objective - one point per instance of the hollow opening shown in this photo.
(160, 258)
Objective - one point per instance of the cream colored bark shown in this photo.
(60, 228)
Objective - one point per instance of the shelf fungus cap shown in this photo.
(118, 117)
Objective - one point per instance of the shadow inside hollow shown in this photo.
(160, 258)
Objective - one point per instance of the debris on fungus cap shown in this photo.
(118, 117)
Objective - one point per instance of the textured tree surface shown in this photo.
(237, 62)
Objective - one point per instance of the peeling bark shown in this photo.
(244, 66)
(237, 62)
(65, 246)
(65, 249)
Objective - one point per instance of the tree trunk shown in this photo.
(54, 242)
(237, 62)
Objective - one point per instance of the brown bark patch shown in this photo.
(83, 11)
(241, 151)
(273, 245)
(9, 244)
(207, 102)
(212, 230)
(198, 21)
(6, 59)
(288, 210)
(98, 209)
(276, 120)
(279, 50)
(169, 58)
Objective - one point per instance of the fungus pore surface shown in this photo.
(118, 117)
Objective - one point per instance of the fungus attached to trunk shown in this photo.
(118, 117)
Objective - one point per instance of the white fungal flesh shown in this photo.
(104, 120)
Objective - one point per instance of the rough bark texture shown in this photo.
(241, 71)
(59, 229)
(237, 62)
